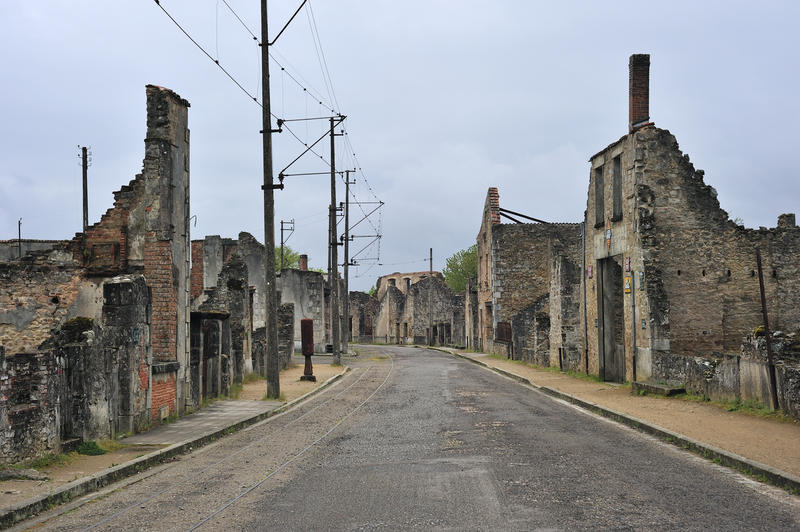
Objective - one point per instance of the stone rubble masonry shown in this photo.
(37, 294)
(230, 296)
(403, 315)
(515, 274)
(305, 289)
(700, 295)
(471, 315)
(363, 316)
(286, 334)
(401, 281)
(28, 406)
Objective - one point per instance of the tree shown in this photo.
(291, 259)
(371, 291)
(461, 266)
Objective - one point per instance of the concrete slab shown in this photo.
(210, 419)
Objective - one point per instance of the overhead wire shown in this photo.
(326, 77)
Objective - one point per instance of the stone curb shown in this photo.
(762, 472)
(14, 514)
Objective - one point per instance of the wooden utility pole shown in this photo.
(288, 226)
(85, 168)
(333, 266)
(346, 329)
(271, 306)
(430, 299)
(773, 385)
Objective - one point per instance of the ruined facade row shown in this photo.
(657, 283)
(130, 322)
(418, 306)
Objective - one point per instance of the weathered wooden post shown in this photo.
(307, 341)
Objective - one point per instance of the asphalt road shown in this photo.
(417, 439)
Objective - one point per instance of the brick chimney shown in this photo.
(638, 91)
(304, 263)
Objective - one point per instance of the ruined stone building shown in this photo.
(306, 290)
(131, 322)
(228, 314)
(408, 303)
(657, 283)
(528, 273)
(94, 332)
(363, 316)
(471, 326)
(671, 281)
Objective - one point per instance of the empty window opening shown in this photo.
(729, 273)
(599, 195)
(679, 272)
(616, 213)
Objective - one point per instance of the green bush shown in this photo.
(90, 448)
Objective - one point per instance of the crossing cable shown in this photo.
(230, 76)
(255, 99)
(329, 82)
(227, 458)
(255, 38)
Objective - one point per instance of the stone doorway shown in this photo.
(611, 322)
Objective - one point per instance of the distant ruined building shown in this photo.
(656, 284)
(413, 307)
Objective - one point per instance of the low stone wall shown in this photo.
(742, 376)
(29, 413)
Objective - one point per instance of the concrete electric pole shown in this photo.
(333, 268)
(346, 328)
(271, 306)
(430, 299)
(85, 168)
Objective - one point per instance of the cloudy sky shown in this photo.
(444, 99)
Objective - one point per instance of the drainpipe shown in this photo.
(633, 316)
(583, 282)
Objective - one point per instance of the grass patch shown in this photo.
(47, 461)
(748, 407)
(90, 448)
(552, 369)
(110, 445)
(252, 377)
(281, 397)
(236, 390)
